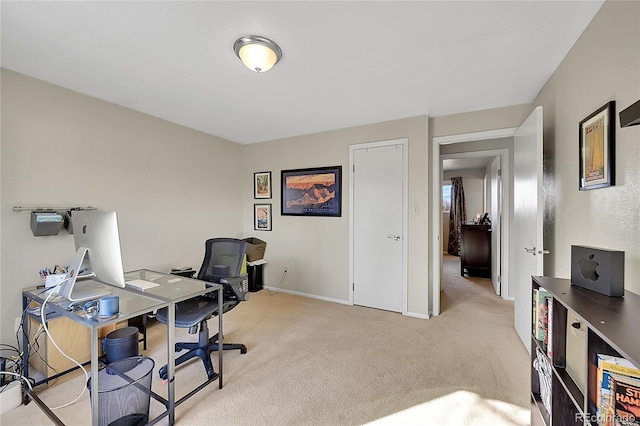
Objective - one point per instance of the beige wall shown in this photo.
(172, 187)
(479, 121)
(316, 249)
(473, 184)
(603, 65)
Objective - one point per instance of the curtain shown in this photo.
(457, 215)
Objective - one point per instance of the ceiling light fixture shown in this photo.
(259, 54)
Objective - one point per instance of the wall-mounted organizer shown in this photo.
(50, 220)
(46, 223)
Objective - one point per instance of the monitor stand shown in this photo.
(70, 291)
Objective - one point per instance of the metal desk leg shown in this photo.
(220, 337)
(171, 361)
(94, 377)
(25, 338)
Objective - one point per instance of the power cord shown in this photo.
(20, 376)
(46, 330)
(44, 326)
(273, 293)
(17, 360)
(9, 364)
(34, 349)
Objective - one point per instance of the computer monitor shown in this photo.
(97, 242)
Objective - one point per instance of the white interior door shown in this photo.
(527, 239)
(378, 255)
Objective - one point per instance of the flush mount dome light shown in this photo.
(259, 54)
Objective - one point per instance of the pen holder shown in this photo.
(53, 280)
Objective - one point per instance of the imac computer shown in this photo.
(97, 242)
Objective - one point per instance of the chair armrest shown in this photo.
(238, 285)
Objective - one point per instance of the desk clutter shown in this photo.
(50, 277)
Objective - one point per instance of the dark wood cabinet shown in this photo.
(475, 250)
(610, 327)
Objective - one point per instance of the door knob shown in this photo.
(532, 251)
(394, 237)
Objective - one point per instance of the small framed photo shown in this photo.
(262, 217)
(597, 148)
(262, 185)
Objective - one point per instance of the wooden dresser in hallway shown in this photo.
(475, 250)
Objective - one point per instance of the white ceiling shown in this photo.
(344, 63)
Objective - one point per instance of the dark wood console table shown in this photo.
(475, 250)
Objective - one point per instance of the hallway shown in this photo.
(459, 292)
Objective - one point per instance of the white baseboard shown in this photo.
(414, 315)
(329, 299)
(311, 296)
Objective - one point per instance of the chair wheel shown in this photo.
(163, 373)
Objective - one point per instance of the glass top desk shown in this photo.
(174, 289)
(131, 305)
(170, 289)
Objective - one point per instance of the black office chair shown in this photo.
(222, 263)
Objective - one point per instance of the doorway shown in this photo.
(524, 211)
(378, 175)
(437, 174)
(482, 180)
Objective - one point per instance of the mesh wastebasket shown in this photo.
(124, 392)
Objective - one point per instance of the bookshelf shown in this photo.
(610, 325)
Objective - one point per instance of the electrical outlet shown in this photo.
(286, 269)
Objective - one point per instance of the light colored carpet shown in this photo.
(311, 362)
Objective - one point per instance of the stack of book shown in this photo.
(543, 367)
(543, 319)
(618, 397)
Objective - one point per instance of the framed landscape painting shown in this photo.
(312, 192)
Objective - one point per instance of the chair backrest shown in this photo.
(223, 258)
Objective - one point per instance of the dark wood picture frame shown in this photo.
(262, 185)
(262, 217)
(312, 192)
(596, 148)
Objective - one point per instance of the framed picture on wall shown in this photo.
(262, 185)
(262, 217)
(597, 148)
(312, 192)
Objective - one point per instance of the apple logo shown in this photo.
(588, 269)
